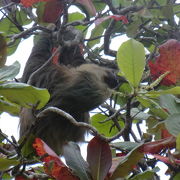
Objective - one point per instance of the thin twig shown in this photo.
(27, 33)
(7, 6)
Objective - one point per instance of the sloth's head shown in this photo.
(102, 74)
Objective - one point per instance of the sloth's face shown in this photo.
(111, 79)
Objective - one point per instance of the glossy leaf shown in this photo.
(3, 50)
(7, 28)
(97, 31)
(24, 94)
(146, 175)
(5, 164)
(22, 17)
(75, 17)
(173, 124)
(153, 106)
(11, 108)
(75, 161)
(168, 102)
(127, 164)
(99, 5)
(174, 90)
(107, 128)
(9, 72)
(99, 158)
(131, 61)
(126, 146)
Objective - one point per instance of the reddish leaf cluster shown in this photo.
(168, 60)
(101, 164)
(53, 164)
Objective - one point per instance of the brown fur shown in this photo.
(76, 90)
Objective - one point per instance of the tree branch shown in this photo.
(80, 124)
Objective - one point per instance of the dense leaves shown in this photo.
(140, 40)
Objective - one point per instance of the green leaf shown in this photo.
(5, 164)
(9, 28)
(120, 3)
(153, 106)
(131, 61)
(176, 10)
(12, 48)
(133, 28)
(75, 161)
(139, 115)
(126, 89)
(173, 124)
(106, 128)
(9, 72)
(97, 31)
(126, 146)
(22, 18)
(40, 12)
(24, 94)
(177, 176)
(178, 142)
(167, 11)
(75, 17)
(6, 106)
(3, 50)
(155, 127)
(27, 149)
(174, 90)
(126, 164)
(146, 175)
(168, 102)
(99, 5)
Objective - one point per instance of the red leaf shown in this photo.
(99, 158)
(115, 17)
(156, 146)
(166, 159)
(165, 133)
(53, 164)
(168, 60)
(54, 6)
(29, 3)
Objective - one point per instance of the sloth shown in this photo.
(76, 88)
